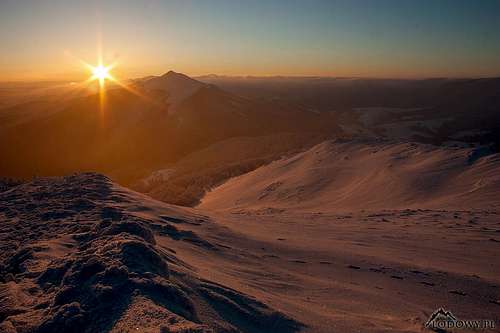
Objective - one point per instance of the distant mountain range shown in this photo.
(171, 116)
(163, 121)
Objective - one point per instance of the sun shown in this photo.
(101, 73)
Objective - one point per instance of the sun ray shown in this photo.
(100, 73)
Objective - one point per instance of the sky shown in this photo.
(46, 39)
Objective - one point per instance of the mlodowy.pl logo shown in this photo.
(444, 320)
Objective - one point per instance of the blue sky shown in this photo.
(369, 38)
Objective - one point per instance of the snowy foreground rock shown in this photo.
(75, 259)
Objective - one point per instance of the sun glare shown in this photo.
(101, 73)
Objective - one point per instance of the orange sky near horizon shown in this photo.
(45, 40)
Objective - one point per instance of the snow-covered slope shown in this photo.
(367, 175)
(82, 254)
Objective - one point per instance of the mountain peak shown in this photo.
(175, 75)
(171, 78)
(171, 73)
(178, 86)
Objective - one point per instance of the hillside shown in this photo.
(186, 181)
(81, 254)
(438, 111)
(369, 175)
(138, 130)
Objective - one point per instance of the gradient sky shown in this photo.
(43, 39)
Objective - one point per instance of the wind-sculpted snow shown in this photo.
(74, 259)
(367, 174)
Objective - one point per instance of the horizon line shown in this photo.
(270, 76)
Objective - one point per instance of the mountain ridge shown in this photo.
(366, 174)
(171, 116)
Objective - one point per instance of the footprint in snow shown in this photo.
(298, 261)
(430, 284)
